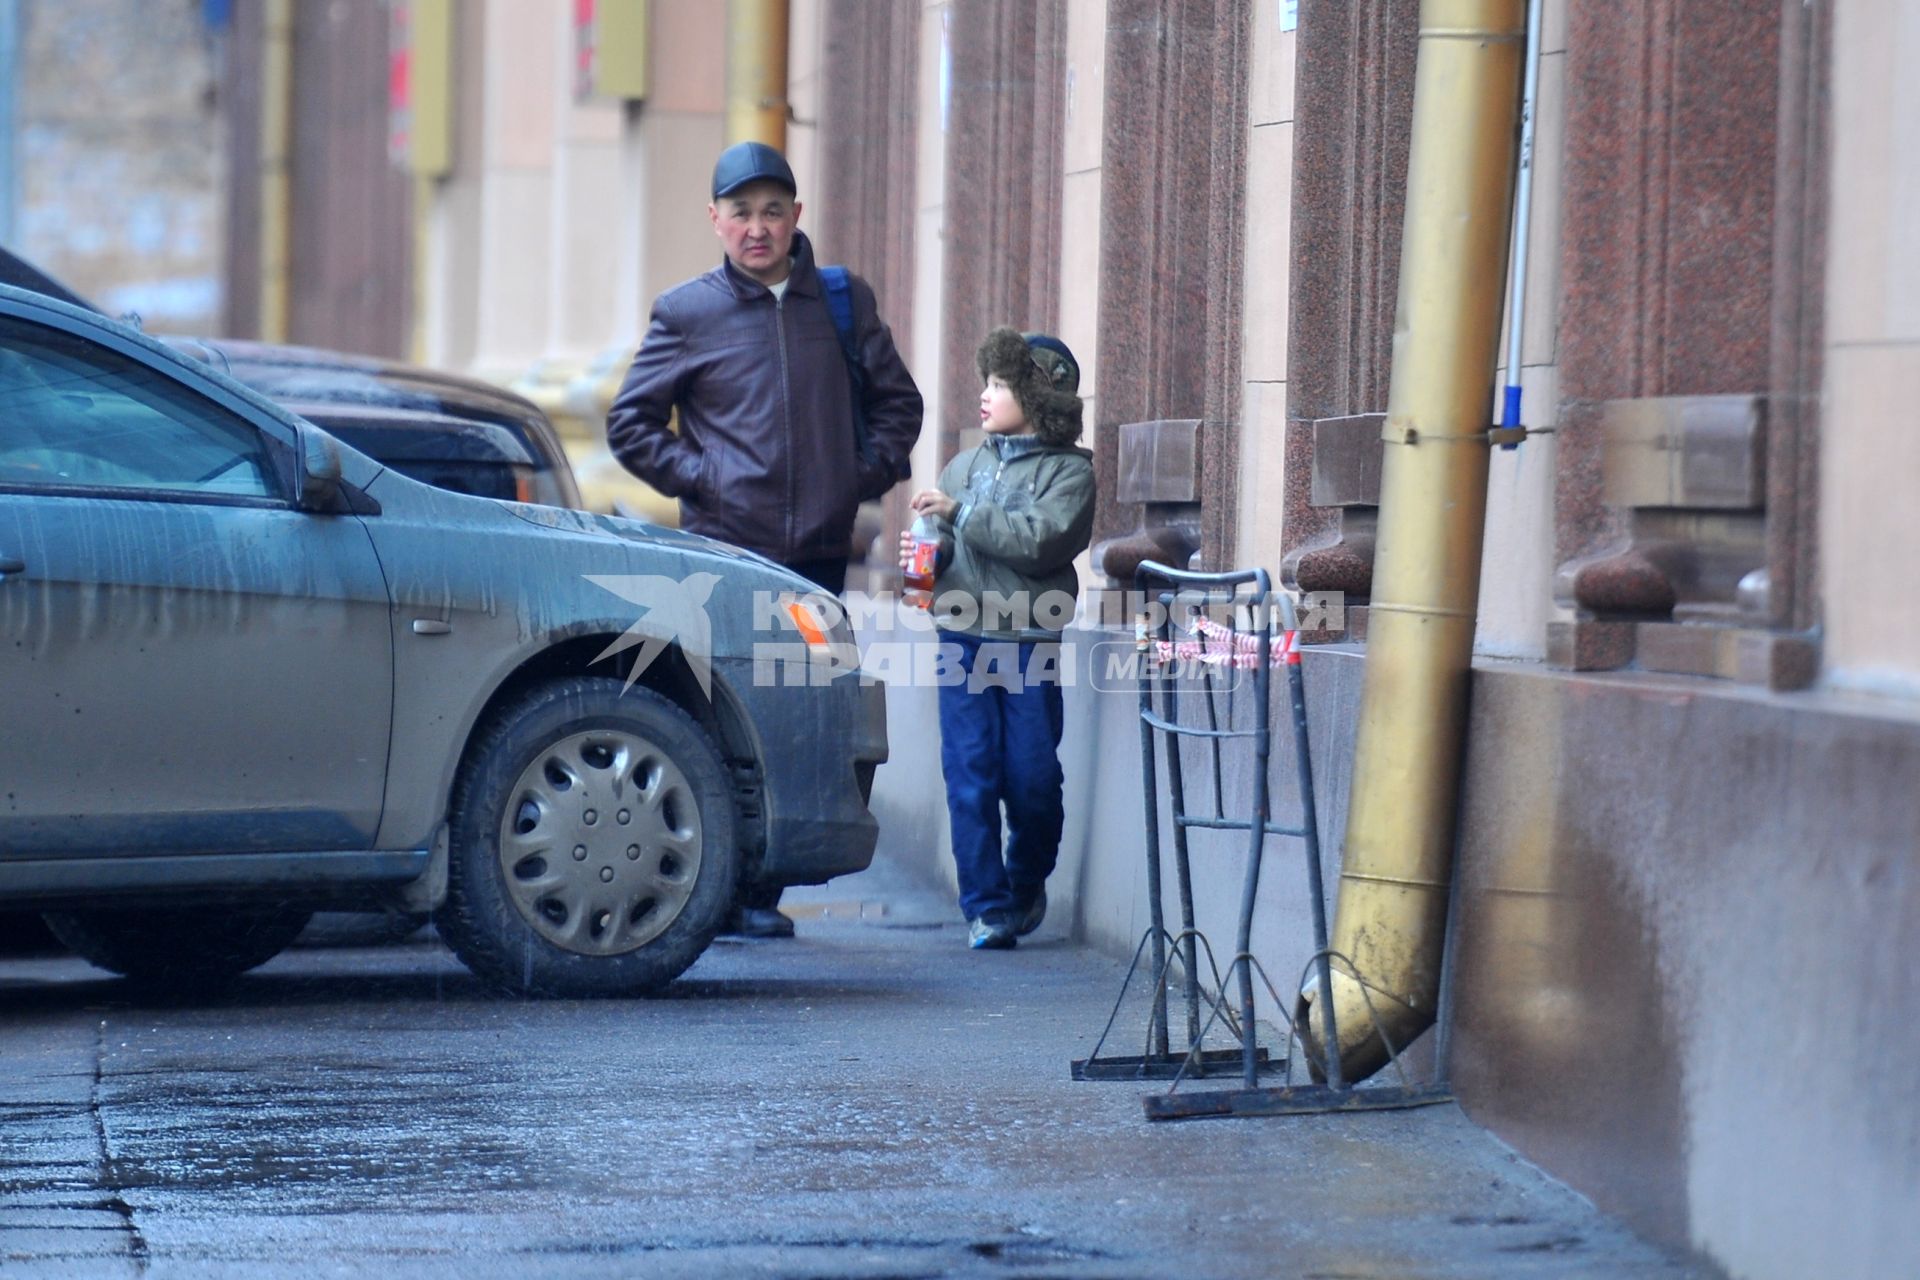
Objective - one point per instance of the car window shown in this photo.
(74, 414)
(510, 482)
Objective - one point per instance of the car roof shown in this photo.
(285, 361)
(290, 372)
(21, 274)
(313, 374)
(413, 435)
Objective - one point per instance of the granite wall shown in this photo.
(1172, 235)
(1688, 915)
(868, 139)
(1694, 232)
(1003, 181)
(1668, 242)
(1352, 125)
(864, 214)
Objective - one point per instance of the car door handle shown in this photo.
(11, 564)
(431, 627)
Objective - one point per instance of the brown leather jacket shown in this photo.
(766, 456)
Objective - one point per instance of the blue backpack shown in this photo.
(840, 306)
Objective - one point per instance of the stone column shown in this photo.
(1173, 227)
(867, 207)
(1352, 120)
(1004, 175)
(1689, 323)
(351, 269)
(869, 138)
(1797, 329)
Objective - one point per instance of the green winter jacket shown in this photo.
(1006, 565)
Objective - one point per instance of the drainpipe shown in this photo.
(757, 72)
(1390, 920)
(276, 167)
(431, 104)
(1511, 433)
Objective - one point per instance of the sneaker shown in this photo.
(1036, 912)
(989, 935)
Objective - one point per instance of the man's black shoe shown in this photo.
(1036, 911)
(758, 922)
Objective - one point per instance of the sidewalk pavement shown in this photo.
(870, 1099)
(1077, 1183)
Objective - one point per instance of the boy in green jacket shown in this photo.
(1014, 513)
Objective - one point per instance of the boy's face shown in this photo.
(999, 411)
(755, 225)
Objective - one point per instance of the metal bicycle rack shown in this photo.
(1219, 651)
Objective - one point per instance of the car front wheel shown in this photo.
(592, 844)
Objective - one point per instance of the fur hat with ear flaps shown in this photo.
(1045, 379)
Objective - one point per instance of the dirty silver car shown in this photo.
(247, 672)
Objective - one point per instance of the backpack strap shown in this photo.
(839, 286)
(840, 303)
(840, 307)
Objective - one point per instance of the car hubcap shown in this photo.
(600, 842)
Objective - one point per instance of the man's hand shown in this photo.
(932, 502)
(906, 551)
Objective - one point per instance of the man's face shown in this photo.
(756, 225)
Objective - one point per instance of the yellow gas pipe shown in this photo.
(757, 72)
(1390, 921)
(276, 169)
(429, 153)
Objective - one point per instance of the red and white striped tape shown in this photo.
(1222, 646)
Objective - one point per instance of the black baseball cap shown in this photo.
(745, 162)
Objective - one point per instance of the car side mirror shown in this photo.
(318, 472)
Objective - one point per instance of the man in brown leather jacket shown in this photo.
(767, 456)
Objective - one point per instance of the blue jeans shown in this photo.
(1000, 745)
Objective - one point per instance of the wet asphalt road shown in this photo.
(870, 1100)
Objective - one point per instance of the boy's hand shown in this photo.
(906, 551)
(932, 502)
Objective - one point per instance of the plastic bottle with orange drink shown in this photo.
(922, 560)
